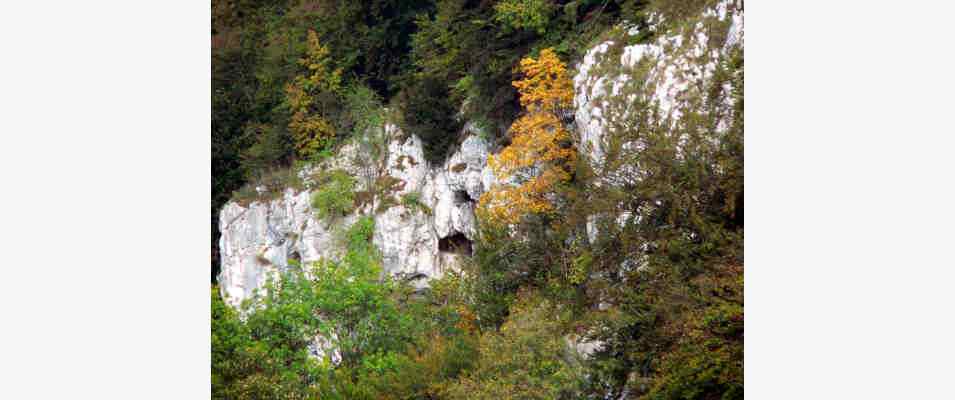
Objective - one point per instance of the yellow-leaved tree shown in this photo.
(540, 156)
(307, 97)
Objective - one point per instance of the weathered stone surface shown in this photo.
(323, 348)
(258, 239)
(678, 64)
(582, 347)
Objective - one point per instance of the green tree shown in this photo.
(428, 112)
(310, 98)
(527, 358)
(347, 303)
(524, 14)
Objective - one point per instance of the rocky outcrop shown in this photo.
(419, 241)
(425, 235)
(616, 76)
(676, 66)
(414, 240)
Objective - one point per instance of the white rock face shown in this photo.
(663, 73)
(678, 62)
(409, 237)
(323, 348)
(259, 239)
(582, 347)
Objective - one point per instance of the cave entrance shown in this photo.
(456, 243)
(411, 276)
(461, 196)
(295, 259)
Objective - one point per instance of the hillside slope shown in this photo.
(372, 272)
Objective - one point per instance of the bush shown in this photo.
(266, 356)
(366, 317)
(335, 196)
(673, 271)
(413, 201)
(524, 14)
(501, 265)
(526, 359)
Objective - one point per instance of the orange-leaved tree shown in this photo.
(540, 156)
(307, 96)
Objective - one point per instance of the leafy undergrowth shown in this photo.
(335, 195)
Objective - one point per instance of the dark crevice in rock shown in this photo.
(461, 196)
(456, 243)
(410, 276)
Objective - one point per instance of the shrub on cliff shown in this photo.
(335, 195)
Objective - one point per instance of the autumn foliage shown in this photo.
(546, 85)
(539, 158)
(309, 126)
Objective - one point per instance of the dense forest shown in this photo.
(641, 256)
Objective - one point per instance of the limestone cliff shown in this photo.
(421, 243)
(417, 242)
(671, 74)
(666, 72)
